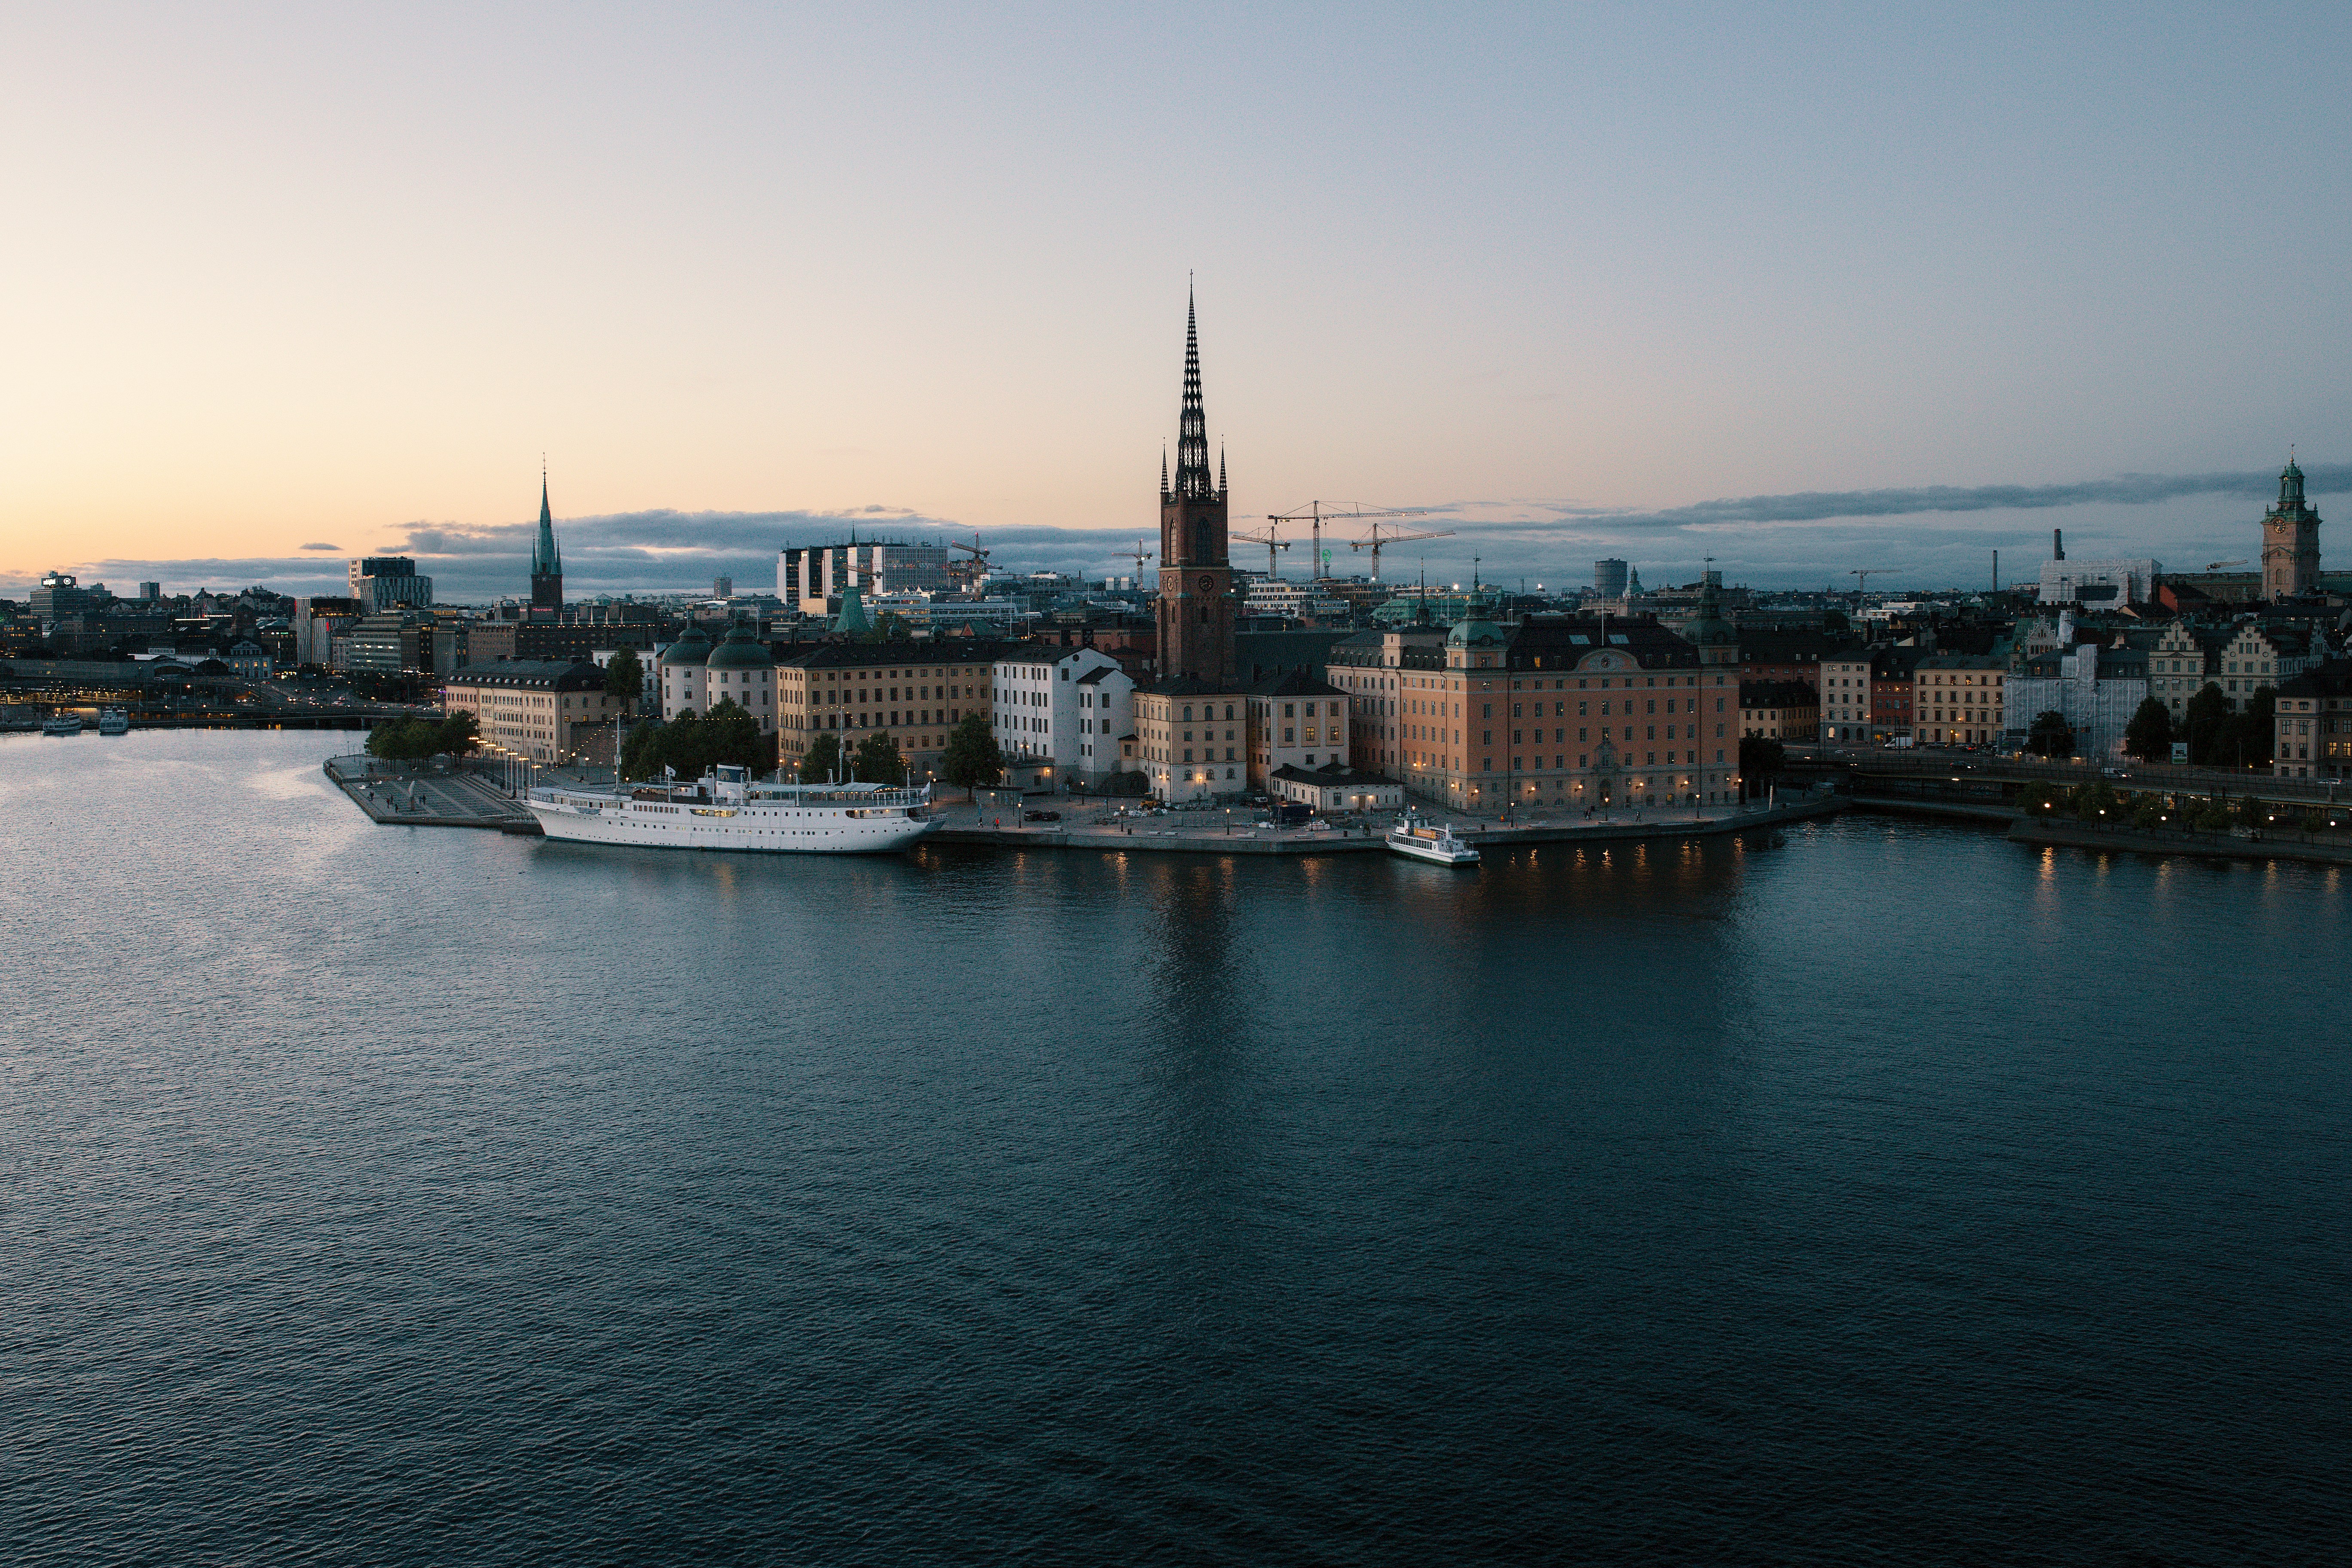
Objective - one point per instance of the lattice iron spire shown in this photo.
(1193, 427)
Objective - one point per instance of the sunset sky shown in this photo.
(1904, 285)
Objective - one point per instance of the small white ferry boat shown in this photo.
(728, 810)
(113, 721)
(1423, 841)
(63, 724)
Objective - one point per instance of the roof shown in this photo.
(1189, 686)
(1558, 642)
(532, 674)
(742, 650)
(1101, 673)
(693, 647)
(1338, 774)
(1294, 683)
(1964, 661)
(2332, 679)
(867, 654)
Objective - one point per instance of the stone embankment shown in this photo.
(1194, 834)
(2243, 845)
(396, 797)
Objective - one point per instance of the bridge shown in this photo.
(1981, 779)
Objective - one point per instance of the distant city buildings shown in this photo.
(385, 581)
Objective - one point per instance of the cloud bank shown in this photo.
(1929, 536)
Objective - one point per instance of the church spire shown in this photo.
(1193, 427)
(544, 557)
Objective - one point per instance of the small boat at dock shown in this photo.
(63, 724)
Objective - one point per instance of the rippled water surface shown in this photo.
(417, 1195)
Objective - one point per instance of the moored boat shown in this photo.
(63, 724)
(728, 810)
(113, 721)
(1435, 843)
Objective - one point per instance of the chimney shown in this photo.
(2057, 545)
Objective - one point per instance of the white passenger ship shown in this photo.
(727, 810)
(1413, 837)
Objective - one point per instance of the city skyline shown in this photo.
(749, 281)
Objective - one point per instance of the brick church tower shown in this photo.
(2290, 541)
(1196, 579)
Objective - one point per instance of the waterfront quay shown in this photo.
(1216, 832)
(394, 796)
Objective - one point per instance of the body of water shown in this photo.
(424, 1195)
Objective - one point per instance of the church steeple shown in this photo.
(546, 560)
(1196, 605)
(1193, 425)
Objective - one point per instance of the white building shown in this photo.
(1059, 714)
(1845, 698)
(810, 577)
(385, 581)
(2099, 583)
(2096, 690)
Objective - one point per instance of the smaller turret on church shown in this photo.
(546, 561)
(2290, 540)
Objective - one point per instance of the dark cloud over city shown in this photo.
(1930, 536)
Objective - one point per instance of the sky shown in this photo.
(1802, 289)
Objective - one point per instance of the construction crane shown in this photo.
(1314, 514)
(971, 571)
(1268, 538)
(1867, 572)
(2216, 565)
(1141, 555)
(1394, 536)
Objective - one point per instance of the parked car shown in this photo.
(1040, 817)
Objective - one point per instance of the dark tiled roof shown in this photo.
(870, 655)
(1336, 774)
(1561, 640)
(531, 674)
(1294, 683)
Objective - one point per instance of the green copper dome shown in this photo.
(742, 650)
(691, 648)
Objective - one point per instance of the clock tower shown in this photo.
(2290, 541)
(1196, 578)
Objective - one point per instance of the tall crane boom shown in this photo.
(1268, 538)
(1314, 514)
(1376, 539)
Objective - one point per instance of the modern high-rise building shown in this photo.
(1609, 579)
(381, 581)
(2290, 540)
(722, 587)
(546, 562)
(151, 591)
(811, 578)
(1196, 578)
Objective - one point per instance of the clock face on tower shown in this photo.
(1208, 584)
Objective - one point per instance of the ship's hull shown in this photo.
(1422, 849)
(743, 829)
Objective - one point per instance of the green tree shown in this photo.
(625, 678)
(2039, 799)
(2050, 736)
(876, 760)
(2207, 725)
(2253, 732)
(2098, 803)
(822, 760)
(2148, 812)
(641, 753)
(2148, 736)
(2210, 815)
(972, 759)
